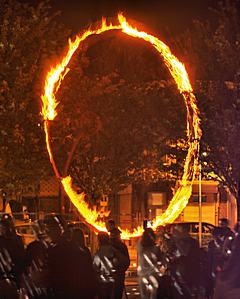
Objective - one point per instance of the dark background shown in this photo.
(155, 14)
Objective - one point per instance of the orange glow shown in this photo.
(90, 215)
(53, 81)
(46, 129)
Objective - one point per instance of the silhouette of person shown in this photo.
(79, 241)
(227, 282)
(11, 261)
(35, 261)
(188, 262)
(118, 244)
(105, 264)
(149, 264)
(69, 273)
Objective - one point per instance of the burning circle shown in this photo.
(53, 81)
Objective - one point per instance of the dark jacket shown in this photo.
(69, 272)
(122, 248)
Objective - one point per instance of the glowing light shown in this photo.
(53, 81)
(90, 215)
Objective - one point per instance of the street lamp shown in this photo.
(204, 154)
(200, 203)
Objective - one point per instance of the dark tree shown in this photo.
(211, 50)
(121, 113)
(29, 40)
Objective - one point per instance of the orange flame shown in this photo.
(53, 81)
(90, 215)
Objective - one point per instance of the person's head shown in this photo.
(68, 231)
(9, 220)
(115, 233)
(78, 237)
(183, 228)
(103, 239)
(145, 224)
(111, 225)
(54, 227)
(148, 238)
(223, 222)
(4, 228)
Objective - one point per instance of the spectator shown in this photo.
(187, 262)
(79, 241)
(110, 225)
(14, 245)
(215, 260)
(227, 282)
(106, 265)
(11, 262)
(36, 251)
(149, 264)
(227, 236)
(35, 261)
(68, 273)
(118, 244)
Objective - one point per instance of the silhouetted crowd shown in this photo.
(58, 265)
(171, 265)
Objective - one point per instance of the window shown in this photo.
(195, 198)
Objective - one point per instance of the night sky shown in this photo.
(174, 14)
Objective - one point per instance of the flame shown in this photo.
(90, 215)
(53, 81)
(56, 75)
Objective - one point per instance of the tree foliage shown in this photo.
(211, 51)
(120, 112)
(29, 37)
(122, 107)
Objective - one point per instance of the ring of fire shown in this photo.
(53, 81)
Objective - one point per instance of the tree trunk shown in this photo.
(65, 171)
